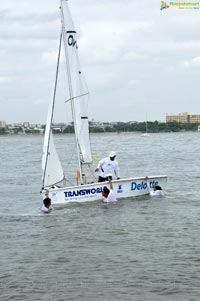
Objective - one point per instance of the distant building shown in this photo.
(2, 124)
(58, 127)
(183, 117)
(194, 118)
(26, 125)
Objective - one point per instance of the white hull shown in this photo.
(123, 188)
(145, 135)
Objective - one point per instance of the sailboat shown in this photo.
(146, 134)
(54, 179)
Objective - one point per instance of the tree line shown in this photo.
(150, 127)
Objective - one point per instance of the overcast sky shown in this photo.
(139, 62)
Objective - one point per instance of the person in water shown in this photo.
(108, 194)
(46, 207)
(108, 167)
(156, 190)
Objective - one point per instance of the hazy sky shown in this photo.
(139, 62)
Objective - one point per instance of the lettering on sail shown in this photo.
(71, 39)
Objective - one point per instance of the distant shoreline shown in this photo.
(95, 133)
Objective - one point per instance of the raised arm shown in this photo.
(110, 183)
(148, 187)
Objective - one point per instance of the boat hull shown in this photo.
(123, 188)
(145, 135)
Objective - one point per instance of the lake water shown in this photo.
(138, 249)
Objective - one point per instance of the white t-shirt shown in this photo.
(110, 198)
(45, 209)
(108, 168)
(156, 193)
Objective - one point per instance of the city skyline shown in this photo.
(182, 117)
(140, 63)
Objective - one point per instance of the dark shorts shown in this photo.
(101, 179)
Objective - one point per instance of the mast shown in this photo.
(70, 84)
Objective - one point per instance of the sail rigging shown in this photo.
(78, 91)
(79, 96)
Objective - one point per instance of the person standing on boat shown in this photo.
(108, 194)
(108, 167)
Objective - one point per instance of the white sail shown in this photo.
(77, 86)
(51, 166)
(53, 172)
